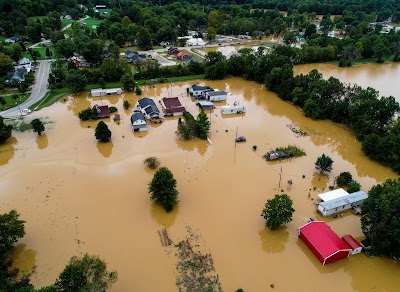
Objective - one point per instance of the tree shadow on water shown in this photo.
(163, 218)
(105, 149)
(42, 141)
(23, 259)
(274, 241)
(7, 150)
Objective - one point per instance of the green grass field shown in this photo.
(10, 102)
(65, 22)
(92, 21)
(42, 52)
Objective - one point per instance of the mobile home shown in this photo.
(341, 204)
(217, 95)
(233, 109)
(104, 92)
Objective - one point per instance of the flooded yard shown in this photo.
(80, 196)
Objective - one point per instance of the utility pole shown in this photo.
(280, 178)
(234, 157)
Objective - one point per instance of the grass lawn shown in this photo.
(65, 22)
(92, 21)
(50, 98)
(10, 102)
(34, 18)
(42, 51)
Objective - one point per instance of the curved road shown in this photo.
(39, 90)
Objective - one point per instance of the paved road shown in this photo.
(39, 90)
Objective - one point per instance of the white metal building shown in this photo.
(335, 194)
(233, 109)
(342, 203)
(104, 92)
(217, 95)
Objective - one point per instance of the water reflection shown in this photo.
(42, 141)
(24, 259)
(320, 181)
(274, 241)
(161, 217)
(190, 145)
(7, 150)
(105, 148)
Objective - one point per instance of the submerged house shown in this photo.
(323, 242)
(342, 203)
(104, 92)
(172, 106)
(138, 122)
(216, 95)
(149, 109)
(103, 111)
(274, 155)
(205, 105)
(197, 90)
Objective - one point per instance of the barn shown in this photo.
(324, 243)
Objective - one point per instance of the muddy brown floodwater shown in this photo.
(383, 77)
(79, 196)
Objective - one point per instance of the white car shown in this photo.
(26, 110)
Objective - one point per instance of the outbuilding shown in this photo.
(233, 109)
(205, 105)
(104, 92)
(356, 247)
(172, 106)
(217, 95)
(332, 195)
(323, 242)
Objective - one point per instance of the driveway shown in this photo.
(39, 90)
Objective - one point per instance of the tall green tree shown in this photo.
(37, 126)
(380, 218)
(202, 125)
(102, 133)
(163, 189)
(88, 273)
(5, 131)
(93, 51)
(75, 81)
(6, 64)
(143, 39)
(2, 101)
(12, 228)
(324, 163)
(16, 52)
(65, 48)
(128, 81)
(278, 211)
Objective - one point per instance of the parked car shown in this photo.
(240, 139)
(26, 110)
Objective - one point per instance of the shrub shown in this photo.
(344, 178)
(126, 104)
(102, 133)
(88, 114)
(113, 109)
(37, 126)
(292, 151)
(138, 91)
(152, 162)
(354, 186)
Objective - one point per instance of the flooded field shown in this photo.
(80, 196)
(383, 77)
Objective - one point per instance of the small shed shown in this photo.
(274, 155)
(323, 242)
(353, 243)
(217, 95)
(205, 105)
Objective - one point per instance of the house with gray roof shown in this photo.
(353, 200)
(216, 95)
(138, 122)
(150, 110)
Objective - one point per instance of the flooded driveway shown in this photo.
(80, 196)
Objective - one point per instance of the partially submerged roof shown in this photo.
(332, 195)
(145, 101)
(180, 109)
(137, 117)
(97, 90)
(323, 238)
(198, 87)
(171, 102)
(345, 200)
(215, 93)
(205, 103)
(351, 241)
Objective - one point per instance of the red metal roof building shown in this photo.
(324, 243)
(353, 243)
(172, 106)
(103, 111)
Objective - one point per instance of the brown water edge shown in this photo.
(382, 77)
(79, 198)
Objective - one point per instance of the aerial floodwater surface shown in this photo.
(77, 195)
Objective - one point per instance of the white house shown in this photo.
(217, 95)
(197, 90)
(195, 42)
(104, 92)
(233, 109)
(149, 109)
(138, 122)
(342, 203)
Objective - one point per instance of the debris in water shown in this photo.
(296, 129)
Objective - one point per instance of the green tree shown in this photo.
(138, 91)
(6, 64)
(380, 51)
(202, 125)
(93, 51)
(11, 230)
(344, 178)
(211, 33)
(324, 163)
(88, 273)
(185, 130)
(16, 52)
(354, 186)
(2, 101)
(310, 30)
(102, 133)
(143, 39)
(66, 48)
(75, 81)
(35, 54)
(289, 38)
(126, 104)
(120, 40)
(380, 218)
(88, 114)
(5, 131)
(128, 81)
(37, 126)
(278, 211)
(163, 189)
